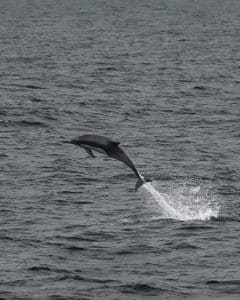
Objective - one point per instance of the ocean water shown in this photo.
(161, 77)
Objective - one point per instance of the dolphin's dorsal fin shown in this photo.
(90, 152)
(115, 143)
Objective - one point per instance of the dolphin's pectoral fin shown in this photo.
(90, 153)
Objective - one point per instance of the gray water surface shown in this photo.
(161, 77)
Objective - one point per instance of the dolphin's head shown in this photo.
(73, 141)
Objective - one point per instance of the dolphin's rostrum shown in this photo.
(92, 142)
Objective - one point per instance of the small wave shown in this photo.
(35, 87)
(184, 245)
(39, 268)
(68, 192)
(224, 219)
(16, 86)
(227, 286)
(75, 248)
(138, 249)
(141, 288)
(184, 204)
(199, 87)
(124, 252)
(226, 282)
(195, 227)
(86, 279)
(7, 238)
(35, 99)
(23, 123)
(74, 238)
(3, 113)
(31, 123)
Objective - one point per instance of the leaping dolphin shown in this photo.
(104, 145)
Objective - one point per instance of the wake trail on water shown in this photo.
(184, 203)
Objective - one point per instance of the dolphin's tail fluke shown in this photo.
(141, 180)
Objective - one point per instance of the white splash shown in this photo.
(183, 202)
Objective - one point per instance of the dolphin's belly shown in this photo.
(100, 150)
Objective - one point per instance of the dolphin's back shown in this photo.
(95, 141)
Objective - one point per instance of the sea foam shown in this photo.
(183, 203)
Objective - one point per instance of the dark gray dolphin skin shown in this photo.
(92, 142)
